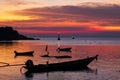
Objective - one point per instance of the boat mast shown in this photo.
(46, 48)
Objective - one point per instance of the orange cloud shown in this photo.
(9, 17)
(115, 28)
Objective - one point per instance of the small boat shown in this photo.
(73, 37)
(63, 66)
(30, 53)
(58, 36)
(64, 49)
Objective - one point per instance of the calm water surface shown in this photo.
(106, 68)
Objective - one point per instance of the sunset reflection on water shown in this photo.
(108, 60)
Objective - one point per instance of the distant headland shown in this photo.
(8, 33)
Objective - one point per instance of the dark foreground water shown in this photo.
(106, 68)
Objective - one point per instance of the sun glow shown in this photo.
(10, 17)
(117, 28)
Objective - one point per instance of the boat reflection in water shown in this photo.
(59, 75)
(108, 65)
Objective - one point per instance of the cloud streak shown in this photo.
(18, 2)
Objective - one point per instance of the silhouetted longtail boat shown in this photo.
(70, 65)
(58, 36)
(30, 53)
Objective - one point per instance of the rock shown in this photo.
(8, 33)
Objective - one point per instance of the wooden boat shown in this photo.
(64, 49)
(63, 66)
(30, 53)
(73, 37)
(58, 36)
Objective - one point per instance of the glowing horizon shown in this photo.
(87, 15)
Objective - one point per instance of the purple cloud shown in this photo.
(109, 13)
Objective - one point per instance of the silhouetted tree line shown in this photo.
(8, 33)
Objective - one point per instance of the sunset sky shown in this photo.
(83, 17)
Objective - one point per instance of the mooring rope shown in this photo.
(5, 64)
(8, 65)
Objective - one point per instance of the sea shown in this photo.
(107, 67)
